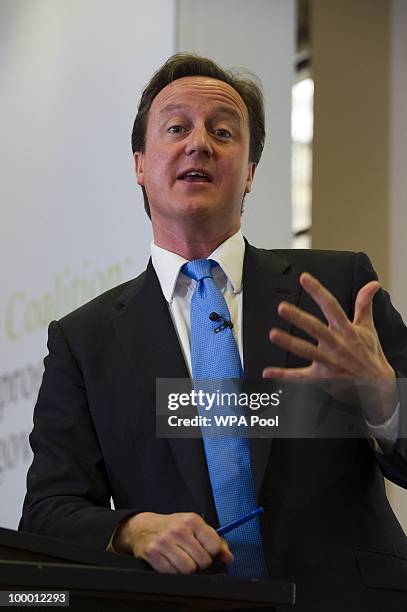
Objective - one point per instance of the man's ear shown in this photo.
(250, 177)
(138, 166)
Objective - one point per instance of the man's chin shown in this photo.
(193, 210)
(197, 207)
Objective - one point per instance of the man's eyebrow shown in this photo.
(227, 110)
(218, 110)
(173, 107)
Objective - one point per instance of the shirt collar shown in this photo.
(229, 255)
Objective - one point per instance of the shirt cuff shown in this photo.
(384, 436)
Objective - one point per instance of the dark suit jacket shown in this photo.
(327, 526)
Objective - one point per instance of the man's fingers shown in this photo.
(308, 323)
(202, 542)
(213, 544)
(225, 556)
(287, 373)
(188, 551)
(302, 348)
(345, 348)
(165, 555)
(180, 542)
(181, 560)
(158, 560)
(364, 302)
(194, 549)
(326, 301)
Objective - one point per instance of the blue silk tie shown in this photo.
(215, 355)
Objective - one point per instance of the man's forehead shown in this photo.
(191, 90)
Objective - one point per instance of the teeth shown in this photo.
(196, 174)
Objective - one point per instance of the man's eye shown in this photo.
(176, 129)
(222, 133)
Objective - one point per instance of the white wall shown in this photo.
(258, 35)
(72, 219)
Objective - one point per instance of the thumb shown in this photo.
(225, 555)
(363, 305)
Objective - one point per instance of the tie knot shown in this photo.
(199, 268)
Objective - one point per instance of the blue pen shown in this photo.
(233, 524)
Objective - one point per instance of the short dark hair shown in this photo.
(188, 64)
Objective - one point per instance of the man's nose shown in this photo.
(199, 142)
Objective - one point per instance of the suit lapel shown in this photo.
(146, 331)
(268, 278)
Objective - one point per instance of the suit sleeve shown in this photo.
(68, 493)
(393, 337)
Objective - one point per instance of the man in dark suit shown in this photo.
(327, 525)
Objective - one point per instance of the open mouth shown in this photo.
(195, 176)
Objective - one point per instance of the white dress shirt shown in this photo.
(178, 289)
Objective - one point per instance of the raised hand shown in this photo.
(345, 349)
